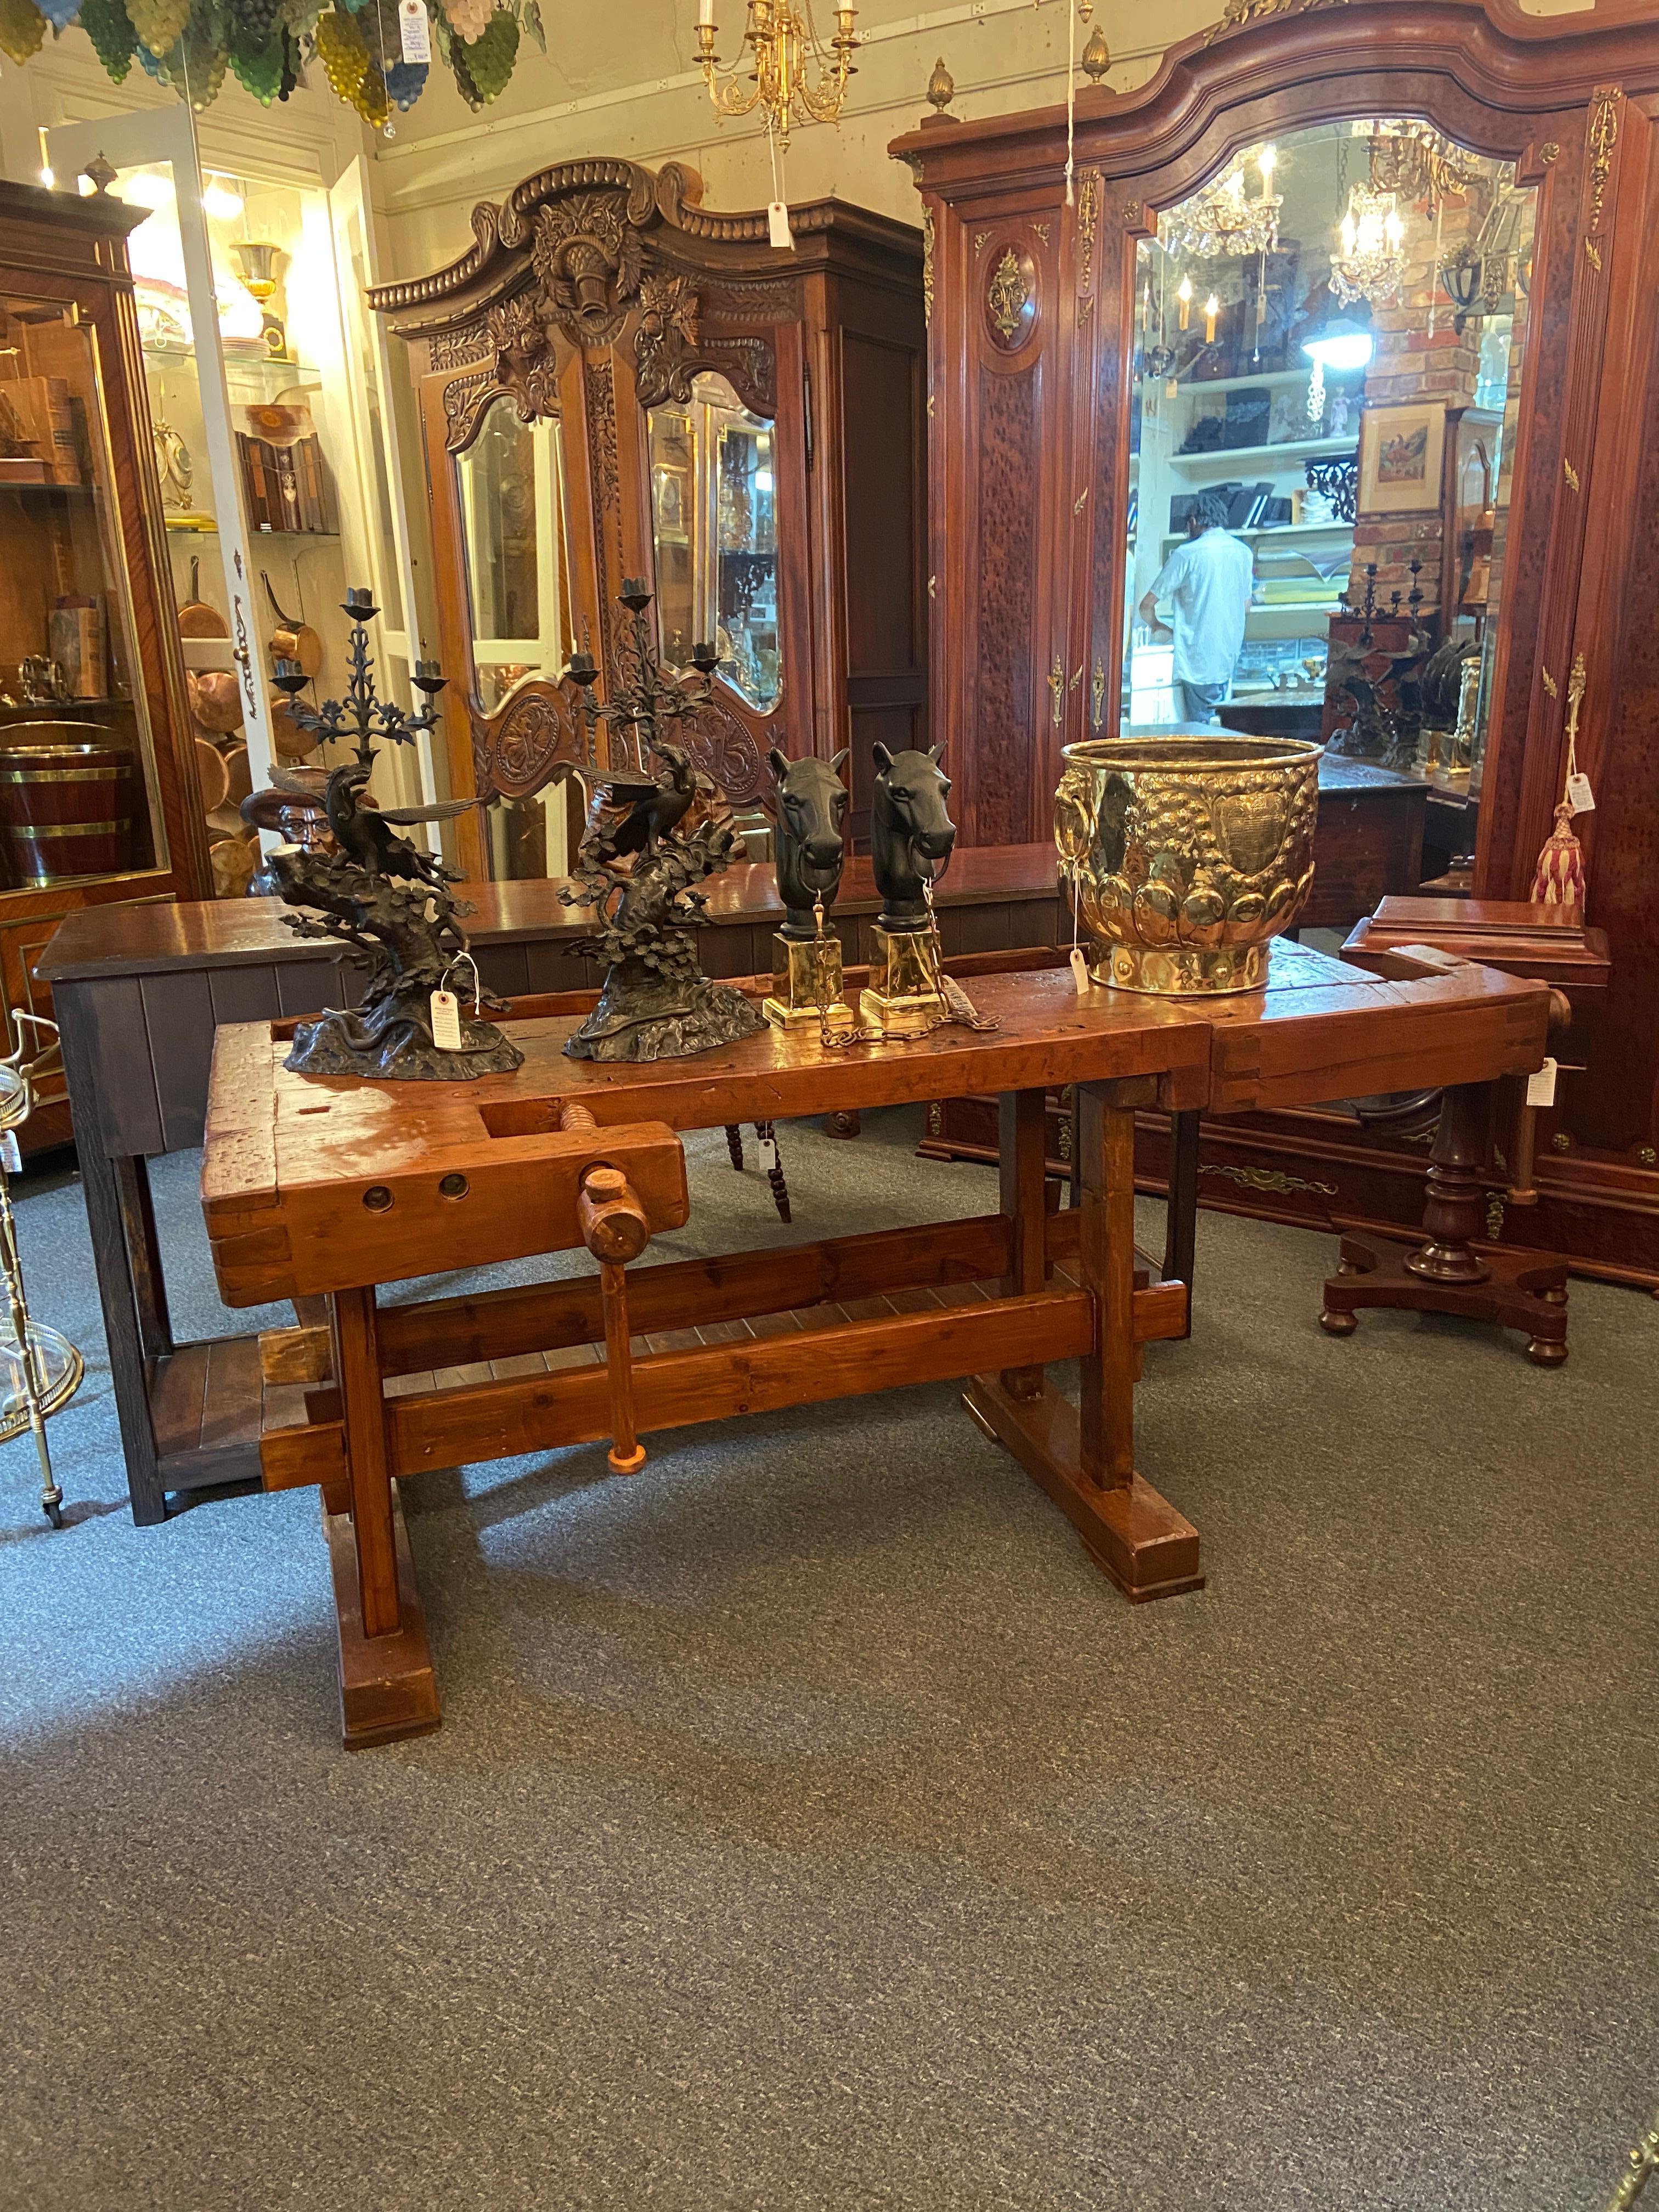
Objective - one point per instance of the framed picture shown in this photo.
(1399, 453)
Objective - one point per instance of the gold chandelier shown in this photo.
(1222, 218)
(795, 77)
(1369, 260)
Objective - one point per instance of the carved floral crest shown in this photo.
(586, 255)
(665, 343)
(525, 364)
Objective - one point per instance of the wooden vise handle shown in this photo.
(614, 1230)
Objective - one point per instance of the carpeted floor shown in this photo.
(811, 1826)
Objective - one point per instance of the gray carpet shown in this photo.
(811, 1826)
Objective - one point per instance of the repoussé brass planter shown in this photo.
(1187, 854)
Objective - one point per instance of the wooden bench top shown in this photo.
(276, 1141)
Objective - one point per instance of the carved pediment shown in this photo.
(586, 254)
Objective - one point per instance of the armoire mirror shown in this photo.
(714, 515)
(510, 481)
(1329, 342)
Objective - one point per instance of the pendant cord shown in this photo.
(1070, 96)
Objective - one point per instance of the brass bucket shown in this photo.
(1187, 854)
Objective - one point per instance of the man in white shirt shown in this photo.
(1207, 582)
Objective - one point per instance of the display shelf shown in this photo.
(270, 373)
(1276, 623)
(53, 490)
(1298, 531)
(1297, 449)
(1272, 379)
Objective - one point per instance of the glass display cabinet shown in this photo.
(265, 379)
(1376, 279)
(616, 382)
(97, 790)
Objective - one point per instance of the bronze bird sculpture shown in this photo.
(370, 833)
(654, 813)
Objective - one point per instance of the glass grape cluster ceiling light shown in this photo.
(376, 54)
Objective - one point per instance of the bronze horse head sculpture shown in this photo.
(812, 805)
(910, 833)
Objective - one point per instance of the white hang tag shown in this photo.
(1540, 1086)
(10, 1158)
(768, 1153)
(1580, 797)
(1079, 968)
(446, 1021)
(414, 31)
(777, 224)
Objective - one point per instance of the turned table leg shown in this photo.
(1441, 1272)
(387, 1688)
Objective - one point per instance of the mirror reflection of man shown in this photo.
(1207, 583)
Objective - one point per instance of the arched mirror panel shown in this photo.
(1329, 337)
(714, 529)
(510, 487)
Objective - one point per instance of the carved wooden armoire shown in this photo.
(617, 382)
(1143, 328)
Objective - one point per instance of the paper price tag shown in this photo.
(777, 224)
(1079, 968)
(768, 1153)
(1541, 1087)
(446, 1021)
(414, 31)
(1580, 797)
(10, 1158)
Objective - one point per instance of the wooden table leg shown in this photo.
(1022, 1131)
(101, 1186)
(149, 1290)
(1181, 1227)
(387, 1688)
(1084, 1457)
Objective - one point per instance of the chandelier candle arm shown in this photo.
(794, 76)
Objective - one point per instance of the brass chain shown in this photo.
(962, 1014)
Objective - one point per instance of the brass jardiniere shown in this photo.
(1187, 854)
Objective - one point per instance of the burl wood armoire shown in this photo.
(1060, 343)
(617, 382)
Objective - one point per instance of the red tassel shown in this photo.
(1559, 880)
